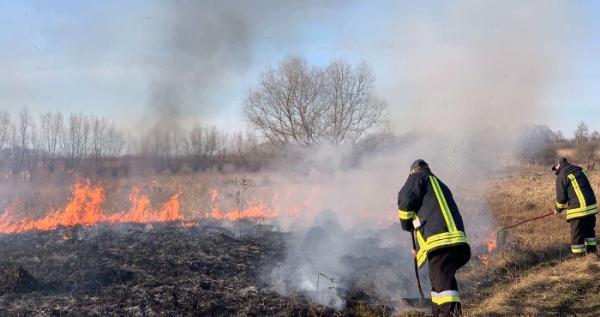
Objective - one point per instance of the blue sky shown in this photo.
(103, 57)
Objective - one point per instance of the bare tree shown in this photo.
(51, 136)
(196, 140)
(73, 140)
(296, 103)
(353, 108)
(287, 106)
(535, 146)
(35, 145)
(86, 129)
(595, 136)
(164, 145)
(210, 143)
(581, 132)
(4, 128)
(106, 140)
(588, 152)
(221, 149)
(115, 141)
(99, 140)
(558, 137)
(23, 137)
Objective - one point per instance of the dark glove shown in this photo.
(407, 225)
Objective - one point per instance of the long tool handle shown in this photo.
(528, 220)
(414, 243)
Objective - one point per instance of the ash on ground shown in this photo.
(205, 269)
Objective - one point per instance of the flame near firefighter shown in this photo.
(490, 248)
(86, 208)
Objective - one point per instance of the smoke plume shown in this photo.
(209, 45)
(468, 78)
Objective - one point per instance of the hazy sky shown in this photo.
(107, 57)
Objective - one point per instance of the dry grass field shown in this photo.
(534, 273)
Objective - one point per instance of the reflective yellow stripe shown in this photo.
(406, 215)
(453, 236)
(581, 212)
(559, 205)
(446, 238)
(579, 248)
(445, 297)
(443, 204)
(578, 192)
(422, 253)
(436, 241)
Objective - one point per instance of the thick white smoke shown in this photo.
(468, 77)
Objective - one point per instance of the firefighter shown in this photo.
(574, 193)
(425, 205)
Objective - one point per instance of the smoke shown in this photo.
(466, 76)
(209, 45)
(469, 76)
(477, 76)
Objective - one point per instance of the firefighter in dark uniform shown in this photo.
(426, 205)
(574, 193)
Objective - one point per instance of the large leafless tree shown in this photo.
(353, 109)
(303, 104)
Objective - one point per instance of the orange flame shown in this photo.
(254, 210)
(9, 214)
(141, 210)
(490, 247)
(85, 207)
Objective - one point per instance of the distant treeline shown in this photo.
(53, 142)
(541, 145)
(90, 145)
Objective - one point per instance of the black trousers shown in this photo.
(443, 264)
(583, 235)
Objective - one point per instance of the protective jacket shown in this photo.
(574, 192)
(426, 205)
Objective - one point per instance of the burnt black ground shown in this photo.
(131, 269)
(151, 270)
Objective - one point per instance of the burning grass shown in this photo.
(180, 248)
(88, 206)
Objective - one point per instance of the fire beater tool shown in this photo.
(414, 243)
(501, 234)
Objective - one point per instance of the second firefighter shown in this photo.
(574, 194)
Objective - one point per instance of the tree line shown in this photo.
(540, 145)
(51, 140)
(293, 105)
(86, 144)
